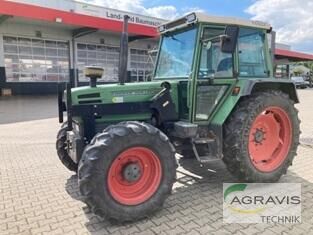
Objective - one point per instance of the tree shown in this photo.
(308, 64)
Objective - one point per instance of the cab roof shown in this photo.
(196, 17)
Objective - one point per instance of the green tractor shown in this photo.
(213, 97)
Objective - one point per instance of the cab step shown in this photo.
(204, 141)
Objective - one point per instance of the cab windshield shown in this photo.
(176, 55)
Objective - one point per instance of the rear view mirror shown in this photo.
(229, 43)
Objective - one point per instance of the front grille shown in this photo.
(92, 95)
(89, 101)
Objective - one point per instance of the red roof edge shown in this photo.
(69, 18)
(293, 54)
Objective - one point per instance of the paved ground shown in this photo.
(27, 108)
(39, 196)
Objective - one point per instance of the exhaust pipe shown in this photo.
(122, 68)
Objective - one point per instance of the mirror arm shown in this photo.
(211, 80)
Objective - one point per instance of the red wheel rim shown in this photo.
(270, 139)
(145, 172)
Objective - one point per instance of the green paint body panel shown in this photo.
(227, 105)
(116, 93)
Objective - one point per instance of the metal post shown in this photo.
(273, 48)
(69, 107)
(288, 71)
(75, 81)
(122, 73)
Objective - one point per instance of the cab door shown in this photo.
(214, 75)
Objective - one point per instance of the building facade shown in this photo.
(37, 53)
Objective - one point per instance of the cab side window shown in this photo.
(214, 63)
(251, 53)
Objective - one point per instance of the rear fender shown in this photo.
(249, 87)
(285, 86)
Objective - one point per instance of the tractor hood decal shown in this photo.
(136, 92)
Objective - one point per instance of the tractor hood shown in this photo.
(116, 93)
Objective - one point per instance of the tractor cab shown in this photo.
(208, 55)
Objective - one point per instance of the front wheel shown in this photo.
(261, 137)
(61, 147)
(127, 172)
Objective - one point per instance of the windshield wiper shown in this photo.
(175, 39)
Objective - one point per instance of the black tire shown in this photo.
(98, 157)
(236, 132)
(61, 149)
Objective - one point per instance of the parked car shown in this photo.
(299, 82)
(309, 79)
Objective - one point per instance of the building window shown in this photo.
(103, 56)
(282, 71)
(141, 64)
(107, 57)
(35, 60)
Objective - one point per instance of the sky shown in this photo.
(291, 19)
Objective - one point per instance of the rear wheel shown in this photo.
(61, 147)
(261, 137)
(127, 172)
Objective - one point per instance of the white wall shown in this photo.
(114, 40)
(58, 33)
(283, 46)
(53, 31)
(29, 30)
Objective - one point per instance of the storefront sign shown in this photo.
(116, 14)
(93, 10)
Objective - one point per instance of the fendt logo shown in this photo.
(262, 203)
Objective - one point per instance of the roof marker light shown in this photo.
(161, 28)
(191, 18)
